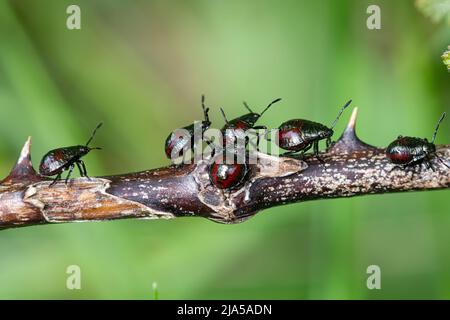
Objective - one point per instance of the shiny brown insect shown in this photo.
(58, 160)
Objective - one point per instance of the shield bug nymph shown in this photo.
(235, 130)
(58, 160)
(176, 142)
(300, 134)
(408, 151)
(228, 176)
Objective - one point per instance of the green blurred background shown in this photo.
(141, 66)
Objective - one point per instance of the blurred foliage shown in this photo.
(437, 10)
(446, 58)
(141, 67)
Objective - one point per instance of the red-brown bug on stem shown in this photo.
(58, 160)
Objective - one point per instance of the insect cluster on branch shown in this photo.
(296, 136)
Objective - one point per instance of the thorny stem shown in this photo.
(349, 168)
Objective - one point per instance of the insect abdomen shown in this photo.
(405, 149)
(400, 156)
(57, 159)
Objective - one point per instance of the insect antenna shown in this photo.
(270, 104)
(224, 116)
(437, 126)
(340, 113)
(205, 109)
(93, 134)
(247, 107)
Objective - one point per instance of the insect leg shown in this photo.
(70, 172)
(394, 167)
(257, 142)
(316, 151)
(427, 162)
(85, 174)
(442, 161)
(307, 148)
(79, 168)
(258, 136)
(316, 148)
(302, 153)
(413, 162)
(416, 159)
(289, 153)
(409, 168)
(56, 179)
(212, 146)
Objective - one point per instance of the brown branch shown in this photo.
(349, 168)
